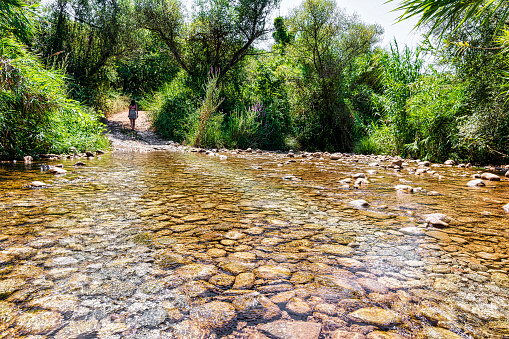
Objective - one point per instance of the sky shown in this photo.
(374, 11)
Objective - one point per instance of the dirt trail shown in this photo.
(143, 137)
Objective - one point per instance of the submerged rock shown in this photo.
(292, 329)
(476, 183)
(214, 315)
(439, 219)
(375, 316)
(490, 176)
(359, 203)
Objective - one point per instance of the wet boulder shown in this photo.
(490, 176)
(292, 329)
(439, 220)
(375, 316)
(359, 203)
(404, 188)
(450, 162)
(214, 315)
(506, 208)
(476, 183)
(254, 306)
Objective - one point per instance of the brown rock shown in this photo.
(298, 306)
(272, 272)
(440, 333)
(383, 335)
(341, 284)
(404, 188)
(282, 297)
(61, 302)
(375, 316)
(223, 280)
(77, 329)
(372, 286)
(39, 322)
(196, 272)
(189, 329)
(292, 329)
(302, 278)
(256, 306)
(490, 176)
(341, 334)
(476, 183)
(244, 281)
(215, 315)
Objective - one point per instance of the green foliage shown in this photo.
(209, 106)
(243, 127)
(399, 70)
(17, 20)
(435, 108)
(36, 116)
(173, 107)
(327, 42)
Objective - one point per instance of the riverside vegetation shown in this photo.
(323, 85)
(166, 239)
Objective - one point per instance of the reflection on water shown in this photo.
(181, 245)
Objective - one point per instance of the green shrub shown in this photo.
(35, 113)
(175, 104)
(243, 128)
(433, 113)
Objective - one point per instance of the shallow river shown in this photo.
(184, 245)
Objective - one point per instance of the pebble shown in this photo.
(476, 183)
(375, 316)
(292, 329)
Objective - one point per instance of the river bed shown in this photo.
(187, 245)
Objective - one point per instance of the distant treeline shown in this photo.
(323, 85)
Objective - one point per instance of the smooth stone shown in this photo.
(372, 286)
(244, 281)
(450, 162)
(194, 217)
(336, 249)
(384, 335)
(282, 297)
(38, 184)
(412, 231)
(439, 219)
(153, 317)
(254, 230)
(375, 316)
(9, 286)
(78, 329)
(57, 170)
(439, 235)
(237, 267)
(292, 329)
(223, 280)
(500, 279)
(5, 258)
(196, 272)
(234, 235)
(476, 183)
(256, 307)
(490, 176)
(61, 302)
(195, 289)
(189, 329)
(8, 312)
(350, 263)
(214, 315)
(228, 208)
(342, 334)
(404, 188)
(272, 272)
(20, 252)
(39, 322)
(242, 256)
(341, 284)
(60, 261)
(359, 203)
(169, 259)
(506, 207)
(325, 308)
(440, 333)
(216, 252)
(298, 306)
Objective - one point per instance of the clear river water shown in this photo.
(186, 245)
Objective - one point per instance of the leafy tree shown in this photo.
(327, 41)
(220, 34)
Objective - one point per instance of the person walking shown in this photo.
(133, 113)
